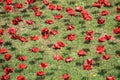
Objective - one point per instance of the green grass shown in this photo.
(75, 71)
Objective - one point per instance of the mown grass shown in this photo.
(74, 69)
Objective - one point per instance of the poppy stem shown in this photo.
(88, 75)
(58, 65)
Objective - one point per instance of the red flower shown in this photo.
(21, 78)
(71, 37)
(35, 8)
(89, 33)
(3, 50)
(29, 1)
(8, 70)
(45, 2)
(8, 8)
(35, 50)
(106, 3)
(58, 16)
(108, 37)
(49, 21)
(22, 58)
(23, 39)
(101, 21)
(100, 49)
(106, 57)
(90, 61)
(34, 38)
(102, 39)
(70, 27)
(22, 66)
(45, 33)
(53, 32)
(61, 44)
(5, 77)
(69, 59)
(97, 4)
(40, 73)
(58, 7)
(66, 77)
(17, 20)
(7, 57)
(88, 38)
(1, 41)
(38, 13)
(104, 13)
(118, 9)
(85, 15)
(70, 11)
(1, 32)
(82, 53)
(56, 46)
(43, 65)
(29, 22)
(116, 30)
(57, 57)
(8, 2)
(118, 54)
(19, 5)
(79, 8)
(118, 18)
(11, 31)
(110, 78)
(51, 7)
(87, 67)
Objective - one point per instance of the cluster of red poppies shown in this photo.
(46, 33)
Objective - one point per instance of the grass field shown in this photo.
(46, 53)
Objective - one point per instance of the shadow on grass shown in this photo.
(2, 60)
(102, 72)
(117, 67)
(18, 70)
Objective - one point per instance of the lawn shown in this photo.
(63, 47)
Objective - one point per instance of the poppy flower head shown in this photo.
(7, 57)
(100, 49)
(66, 77)
(71, 37)
(22, 66)
(58, 57)
(8, 70)
(110, 78)
(21, 78)
(43, 65)
(87, 66)
(69, 59)
(82, 53)
(40, 73)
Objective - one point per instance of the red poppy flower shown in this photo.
(53, 32)
(102, 39)
(1, 0)
(82, 53)
(58, 16)
(29, 22)
(35, 8)
(85, 15)
(22, 66)
(35, 50)
(34, 38)
(56, 46)
(71, 37)
(43, 65)
(118, 54)
(61, 44)
(8, 2)
(118, 18)
(69, 59)
(97, 4)
(79, 8)
(101, 21)
(18, 5)
(38, 13)
(106, 3)
(87, 67)
(17, 20)
(58, 7)
(66, 77)
(8, 8)
(40, 73)
(88, 38)
(116, 30)
(57, 57)
(110, 78)
(11, 31)
(23, 39)
(7, 56)
(108, 37)
(90, 61)
(49, 21)
(51, 7)
(29, 1)
(106, 57)
(5, 77)
(118, 9)
(3, 50)
(45, 33)
(70, 11)
(100, 49)
(22, 58)
(8, 70)
(21, 78)
(90, 32)
(1, 41)
(70, 27)
(45, 2)
(104, 13)
(1, 32)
